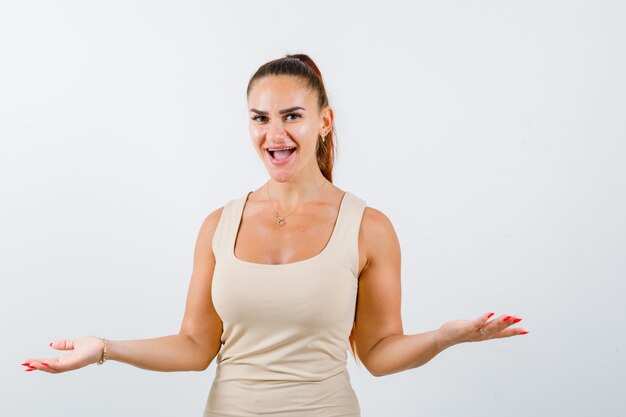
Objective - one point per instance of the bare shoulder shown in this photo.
(378, 306)
(377, 235)
(212, 219)
(374, 218)
(208, 227)
(201, 321)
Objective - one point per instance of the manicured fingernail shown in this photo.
(50, 344)
(28, 370)
(517, 320)
(506, 318)
(43, 363)
(524, 332)
(490, 314)
(25, 363)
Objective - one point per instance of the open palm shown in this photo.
(83, 351)
(459, 331)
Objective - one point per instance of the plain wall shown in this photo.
(491, 133)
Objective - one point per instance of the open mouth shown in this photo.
(281, 154)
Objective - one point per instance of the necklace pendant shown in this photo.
(281, 221)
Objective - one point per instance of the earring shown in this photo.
(323, 138)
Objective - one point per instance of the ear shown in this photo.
(328, 117)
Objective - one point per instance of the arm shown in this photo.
(399, 353)
(166, 354)
(381, 343)
(198, 340)
(193, 348)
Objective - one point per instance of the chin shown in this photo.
(280, 176)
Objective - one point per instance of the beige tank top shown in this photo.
(286, 325)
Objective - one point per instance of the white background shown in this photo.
(491, 133)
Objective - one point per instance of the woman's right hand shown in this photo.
(83, 351)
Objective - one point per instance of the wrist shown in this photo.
(442, 341)
(104, 353)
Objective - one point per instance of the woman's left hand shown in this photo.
(459, 331)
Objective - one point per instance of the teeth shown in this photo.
(279, 149)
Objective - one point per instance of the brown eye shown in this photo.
(255, 118)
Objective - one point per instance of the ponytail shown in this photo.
(301, 65)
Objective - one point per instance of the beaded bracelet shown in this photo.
(104, 353)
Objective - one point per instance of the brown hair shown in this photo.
(302, 66)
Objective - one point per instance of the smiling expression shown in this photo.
(284, 114)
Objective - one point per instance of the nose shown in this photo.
(276, 130)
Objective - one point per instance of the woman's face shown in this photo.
(284, 114)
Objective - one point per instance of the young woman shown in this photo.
(287, 277)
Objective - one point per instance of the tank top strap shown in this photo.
(346, 235)
(224, 236)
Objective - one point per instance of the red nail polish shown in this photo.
(506, 318)
(25, 364)
(490, 314)
(28, 370)
(524, 332)
(517, 320)
(43, 363)
(50, 344)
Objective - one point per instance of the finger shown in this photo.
(33, 365)
(509, 320)
(510, 332)
(483, 319)
(502, 322)
(27, 365)
(62, 344)
(42, 365)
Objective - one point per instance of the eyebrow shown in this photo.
(290, 109)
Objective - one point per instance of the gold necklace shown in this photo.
(281, 220)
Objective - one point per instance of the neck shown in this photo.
(287, 195)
